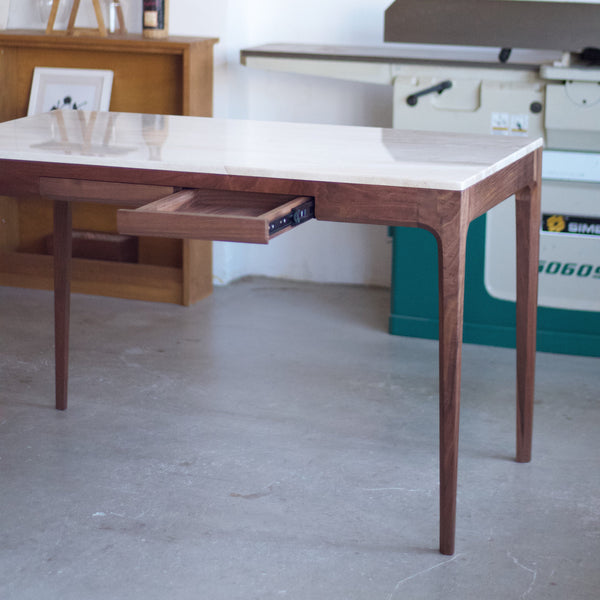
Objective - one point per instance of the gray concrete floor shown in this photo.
(274, 441)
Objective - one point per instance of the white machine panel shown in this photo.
(508, 102)
(569, 275)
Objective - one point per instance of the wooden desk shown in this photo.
(246, 181)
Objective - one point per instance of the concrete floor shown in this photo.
(275, 442)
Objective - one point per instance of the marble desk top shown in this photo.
(330, 153)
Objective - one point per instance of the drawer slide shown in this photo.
(297, 216)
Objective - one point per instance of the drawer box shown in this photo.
(218, 215)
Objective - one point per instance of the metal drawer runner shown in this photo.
(218, 215)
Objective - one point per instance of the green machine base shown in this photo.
(487, 320)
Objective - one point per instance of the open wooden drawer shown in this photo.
(217, 215)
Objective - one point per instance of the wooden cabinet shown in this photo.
(168, 76)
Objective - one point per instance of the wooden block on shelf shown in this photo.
(100, 246)
(97, 277)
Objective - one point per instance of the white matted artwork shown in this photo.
(69, 89)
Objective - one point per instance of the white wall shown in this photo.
(316, 251)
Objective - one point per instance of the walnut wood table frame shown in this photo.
(261, 171)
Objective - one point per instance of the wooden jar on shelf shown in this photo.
(155, 18)
(154, 76)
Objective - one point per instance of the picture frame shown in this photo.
(69, 89)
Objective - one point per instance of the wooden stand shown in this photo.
(72, 30)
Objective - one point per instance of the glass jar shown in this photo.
(116, 16)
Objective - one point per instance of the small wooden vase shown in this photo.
(155, 18)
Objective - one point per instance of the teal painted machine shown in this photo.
(487, 320)
(521, 94)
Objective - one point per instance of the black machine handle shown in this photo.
(439, 88)
(504, 55)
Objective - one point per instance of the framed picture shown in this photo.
(69, 89)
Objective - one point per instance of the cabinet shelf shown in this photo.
(166, 76)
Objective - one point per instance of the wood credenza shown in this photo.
(168, 76)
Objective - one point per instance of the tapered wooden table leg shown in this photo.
(62, 298)
(528, 242)
(451, 292)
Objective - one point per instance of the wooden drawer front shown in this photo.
(217, 215)
(82, 190)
